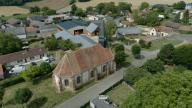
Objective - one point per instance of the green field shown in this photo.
(44, 88)
(119, 94)
(157, 44)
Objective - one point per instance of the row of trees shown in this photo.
(53, 44)
(179, 56)
(14, 2)
(170, 89)
(120, 55)
(111, 8)
(44, 10)
(9, 43)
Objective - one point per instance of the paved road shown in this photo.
(92, 92)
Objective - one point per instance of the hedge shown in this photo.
(11, 81)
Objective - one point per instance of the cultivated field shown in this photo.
(135, 3)
(53, 4)
(10, 10)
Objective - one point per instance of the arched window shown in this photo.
(66, 82)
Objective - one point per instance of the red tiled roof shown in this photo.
(21, 55)
(164, 29)
(31, 30)
(76, 62)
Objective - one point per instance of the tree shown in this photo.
(22, 95)
(119, 47)
(51, 43)
(34, 9)
(110, 29)
(67, 44)
(177, 18)
(144, 5)
(45, 68)
(154, 66)
(31, 73)
(73, 9)
(167, 90)
(100, 8)
(179, 5)
(79, 12)
(183, 56)
(124, 6)
(9, 43)
(72, 2)
(185, 19)
(166, 54)
(134, 74)
(152, 19)
(120, 58)
(89, 9)
(136, 50)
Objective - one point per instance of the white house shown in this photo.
(160, 31)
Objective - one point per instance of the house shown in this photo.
(75, 27)
(82, 66)
(84, 41)
(17, 31)
(102, 101)
(22, 57)
(188, 6)
(161, 17)
(121, 32)
(32, 31)
(92, 17)
(14, 22)
(161, 31)
(61, 17)
(92, 29)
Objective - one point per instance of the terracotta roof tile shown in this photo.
(76, 62)
(21, 55)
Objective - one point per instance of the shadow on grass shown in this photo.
(41, 78)
(37, 103)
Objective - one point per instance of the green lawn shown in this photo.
(119, 94)
(43, 89)
(157, 44)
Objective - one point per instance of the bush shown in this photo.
(22, 95)
(11, 81)
(37, 103)
(132, 75)
(120, 58)
(179, 68)
(136, 50)
(154, 66)
(183, 56)
(119, 47)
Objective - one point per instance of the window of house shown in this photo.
(78, 79)
(104, 68)
(19, 61)
(32, 58)
(66, 82)
(92, 74)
